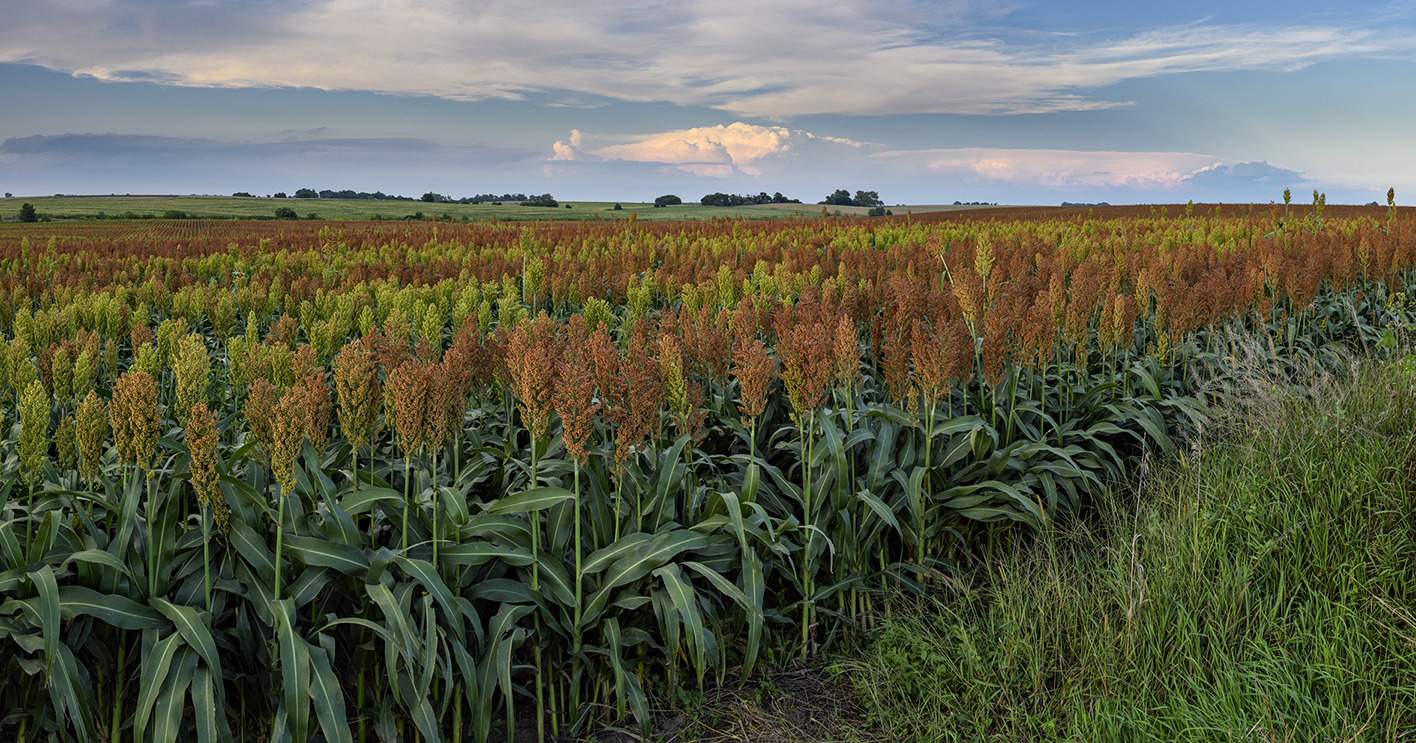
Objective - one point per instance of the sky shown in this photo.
(922, 102)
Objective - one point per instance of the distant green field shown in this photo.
(225, 207)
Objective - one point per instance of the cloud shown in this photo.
(127, 146)
(717, 151)
(126, 163)
(1243, 174)
(570, 150)
(1078, 170)
(777, 60)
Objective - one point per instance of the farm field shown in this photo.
(507, 481)
(228, 207)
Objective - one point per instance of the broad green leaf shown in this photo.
(325, 692)
(204, 710)
(723, 584)
(98, 557)
(532, 500)
(48, 613)
(342, 557)
(480, 553)
(193, 631)
(167, 722)
(294, 668)
(686, 602)
(878, 506)
(362, 500)
(604, 557)
(433, 584)
(156, 667)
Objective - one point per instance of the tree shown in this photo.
(9, 195)
(667, 200)
(867, 198)
(286, 212)
(241, 193)
(306, 193)
(279, 194)
(27, 213)
(842, 197)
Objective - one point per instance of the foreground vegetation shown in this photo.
(532, 475)
(1259, 587)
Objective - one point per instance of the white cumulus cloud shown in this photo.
(718, 151)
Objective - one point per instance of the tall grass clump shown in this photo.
(1259, 587)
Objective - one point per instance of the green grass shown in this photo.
(59, 207)
(1260, 588)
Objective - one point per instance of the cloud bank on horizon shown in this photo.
(886, 94)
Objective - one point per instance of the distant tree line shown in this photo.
(977, 203)
(842, 197)
(492, 198)
(431, 197)
(732, 199)
(310, 193)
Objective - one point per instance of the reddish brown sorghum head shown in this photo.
(317, 410)
(808, 356)
(574, 395)
(755, 370)
(644, 393)
(931, 362)
(847, 354)
(406, 396)
(531, 356)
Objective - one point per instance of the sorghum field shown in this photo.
(286, 481)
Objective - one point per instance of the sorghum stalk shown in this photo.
(290, 427)
(532, 356)
(34, 444)
(201, 446)
(116, 731)
(133, 416)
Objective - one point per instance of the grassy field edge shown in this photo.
(1258, 587)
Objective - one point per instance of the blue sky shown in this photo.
(924, 102)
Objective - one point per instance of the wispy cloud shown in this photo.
(779, 60)
(118, 149)
(1075, 170)
(100, 163)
